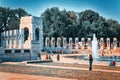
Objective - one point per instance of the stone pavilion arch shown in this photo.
(37, 33)
(26, 41)
(26, 34)
(33, 34)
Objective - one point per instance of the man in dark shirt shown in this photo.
(90, 61)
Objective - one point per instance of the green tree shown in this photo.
(114, 28)
(10, 18)
(58, 23)
(87, 21)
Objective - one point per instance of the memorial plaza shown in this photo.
(26, 55)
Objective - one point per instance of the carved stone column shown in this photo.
(101, 43)
(89, 43)
(83, 43)
(64, 42)
(70, 43)
(17, 38)
(53, 41)
(108, 43)
(114, 43)
(7, 38)
(58, 42)
(13, 51)
(22, 40)
(47, 41)
(10, 38)
(76, 43)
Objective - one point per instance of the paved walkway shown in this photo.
(16, 76)
(61, 67)
(78, 61)
(74, 68)
(68, 60)
(13, 76)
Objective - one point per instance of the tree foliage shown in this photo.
(64, 23)
(58, 23)
(10, 18)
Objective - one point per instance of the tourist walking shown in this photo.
(58, 57)
(90, 61)
(39, 56)
(103, 52)
(46, 57)
(49, 57)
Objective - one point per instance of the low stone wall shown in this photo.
(51, 49)
(2, 50)
(16, 55)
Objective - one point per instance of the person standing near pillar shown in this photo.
(90, 61)
(58, 57)
(46, 57)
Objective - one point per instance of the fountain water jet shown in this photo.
(95, 47)
(95, 53)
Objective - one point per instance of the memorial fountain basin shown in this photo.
(101, 58)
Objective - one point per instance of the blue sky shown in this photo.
(106, 8)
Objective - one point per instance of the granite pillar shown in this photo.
(64, 42)
(70, 43)
(76, 43)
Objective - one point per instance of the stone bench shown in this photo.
(39, 61)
